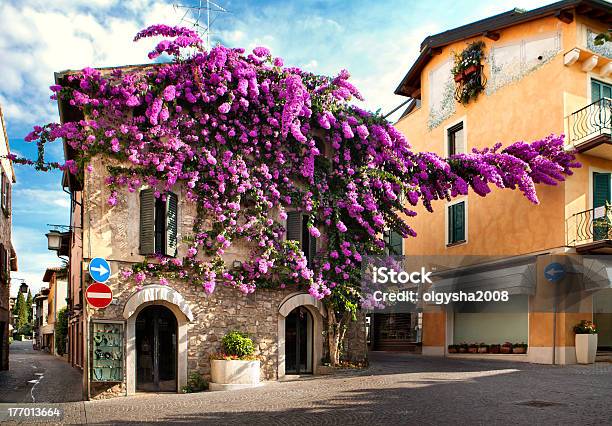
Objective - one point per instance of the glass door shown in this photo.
(298, 342)
(156, 345)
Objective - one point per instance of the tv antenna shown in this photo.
(194, 16)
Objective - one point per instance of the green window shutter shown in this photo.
(456, 223)
(147, 221)
(601, 189)
(312, 250)
(396, 242)
(294, 226)
(171, 224)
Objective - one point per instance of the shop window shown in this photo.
(297, 230)
(456, 223)
(158, 223)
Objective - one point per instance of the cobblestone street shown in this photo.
(396, 389)
(37, 376)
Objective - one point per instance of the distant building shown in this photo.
(8, 258)
(55, 300)
(41, 310)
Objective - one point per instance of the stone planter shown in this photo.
(233, 374)
(586, 348)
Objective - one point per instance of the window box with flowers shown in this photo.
(236, 367)
(586, 342)
(468, 72)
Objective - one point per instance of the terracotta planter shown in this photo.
(494, 349)
(233, 374)
(483, 350)
(462, 350)
(473, 350)
(505, 350)
(452, 350)
(470, 70)
(519, 350)
(586, 348)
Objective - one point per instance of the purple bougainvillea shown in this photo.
(249, 140)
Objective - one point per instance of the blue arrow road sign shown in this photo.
(99, 269)
(554, 272)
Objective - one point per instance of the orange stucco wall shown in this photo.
(434, 328)
(505, 223)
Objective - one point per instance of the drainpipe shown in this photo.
(554, 354)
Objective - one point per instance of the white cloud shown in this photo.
(33, 200)
(38, 40)
(32, 256)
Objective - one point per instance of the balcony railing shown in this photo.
(590, 226)
(591, 121)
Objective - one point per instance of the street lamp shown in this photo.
(23, 288)
(54, 240)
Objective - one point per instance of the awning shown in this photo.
(517, 275)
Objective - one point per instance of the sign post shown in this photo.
(98, 294)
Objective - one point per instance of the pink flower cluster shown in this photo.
(248, 140)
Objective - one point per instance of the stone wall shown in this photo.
(112, 232)
(225, 310)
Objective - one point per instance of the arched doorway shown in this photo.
(299, 341)
(156, 350)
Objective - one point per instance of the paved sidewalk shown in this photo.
(396, 389)
(37, 376)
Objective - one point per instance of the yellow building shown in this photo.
(542, 73)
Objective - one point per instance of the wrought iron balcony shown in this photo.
(590, 230)
(591, 126)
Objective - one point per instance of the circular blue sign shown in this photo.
(99, 269)
(554, 272)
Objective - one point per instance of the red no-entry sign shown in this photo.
(99, 295)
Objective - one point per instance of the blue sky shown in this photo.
(375, 40)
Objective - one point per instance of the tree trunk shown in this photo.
(336, 331)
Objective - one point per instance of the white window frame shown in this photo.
(457, 200)
(465, 135)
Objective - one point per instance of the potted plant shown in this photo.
(236, 367)
(463, 348)
(483, 348)
(494, 349)
(586, 342)
(453, 349)
(519, 348)
(473, 348)
(506, 348)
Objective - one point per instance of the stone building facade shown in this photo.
(8, 259)
(154, 338)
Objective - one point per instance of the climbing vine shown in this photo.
(250, 140)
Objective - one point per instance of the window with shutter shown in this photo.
(297, 230)
(4, 195)
(294, 226)
(2, 263)
(147, 222)
(171, 224)
(394, 243)
(456, 139)
(456, 223)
